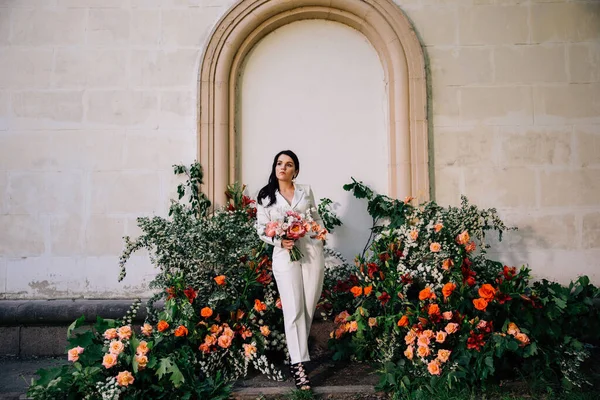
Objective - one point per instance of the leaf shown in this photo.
(163, 367)
(176, 375)
(83, 340)
(76, 324)
(512, 346)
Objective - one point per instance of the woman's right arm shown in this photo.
(262, 218)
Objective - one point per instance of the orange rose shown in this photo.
(220, 280)
(146, 330)
(480, 304)
(443, 355)
(142, 348)
(463, 238)
(410, 337)
(109, 360)
(409, 352)
(181, 331)
(487, 292)
(124, 332)
(372, 322)
(249, 350)
(210, 340)
(434, 367)
(356, 291)
(423, 340)
(142, 360)
(162, 325)
(513, 329)
(116, 347)
(125, 378)
(353, 326)
(206, 312)
(440, 337)
(110, 334)
(426, 293)
(435, 247)
(523, 338)
(265, 330)
(470, 247)
(224, 341)
(448, 289)
(414, 234)
(434, 309)
(204, 348)
(438, 227)
(447, 264)
(423, 351)
(259, 305)
(451, 327)
(403, 321)
(228, 331)
(73, 354)
(368, 290)
(447, 315)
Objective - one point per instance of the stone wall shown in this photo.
(99, 97)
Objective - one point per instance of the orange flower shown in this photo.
(434, 309)
(414, 234)
(110, 334)
(372, 322)
(265, 330)
(356, 291)
(480, 304)
(470, 247)
(447, 264)
(341, 317)
(403, 321)
(206, 312)
(224, 341)
(447, 315)
(181, 331)
(426, 293)
(73, 354)
(146, 330)
(443, 355)
(249, 350)
(228, 331)
(353, 326)
(408, 199)
(142, 360)
(438, 227)
(434, 367)
(448, 289)
(142, 348)
(125, 378)
(409, 352)
(278, 303)
(220, 280)
(423, 351)
(463, 238)
(451, 327)
(109, 360)
(435, 247)
(410, 337)
(487, 292)
(259, 305)
(423, 340)
(210, 340)
(428, 333)
(440, 337)
(204, 348)
(523, 338)
(124, 332)
(513, 329)
(162, 325)
(116, 347)
(368, 290)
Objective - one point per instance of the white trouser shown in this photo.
(299, 284)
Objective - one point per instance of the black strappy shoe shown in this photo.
(300, 376)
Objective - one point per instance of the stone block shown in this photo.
(178, 110)
(33, 71)
(9, 340)
(3, 185)
(188, 27)
(445, 101)
(4, 26)
(51, 27)
(4, 110)
(29, 4)
(584, 62)
(21, 235)
(104, 235)
(66, 235)
(91, 68)
(530, 64)
(93, 3)
(125, 192)
(43, 340)
(144, 25)
(151, 68)
(508, 187)
(435, 25)
(464, 146)
(548, 232)
(590, 237)
(448, 187)
(175, 147)
(565, 22)
(491, 25)
(570, 188)
(460, 66)
(122, 107)
(567, 104)
(496, 105)
(108, 26)
(587, 140)
(535, 146)
(45, 192)
(40, 109)
(102, 274)
(42, 277)
(25, 150)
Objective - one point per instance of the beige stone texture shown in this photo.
(188, 28)
(104, 235)
(507, 187)
(584, 62)
(25, 150)
(175, 148)
(67, 235)
(101, 275)
(122, 108)
(539, 231)
(144, 30)
(571, 188)
(3, 185)
(39, 109)
(464, 146)
(177, 110)
(4, 109)
(108, 26)
(91, 68)
(94, 3)
(45, 193)
(492, 25)
(522, 146)
(445, 106)
(460, 66)
(4, 26)
(528, 64)
(590, 236)
(125, 192)
(510, 105)
(34, 68)
(435, 25)
(448, 186)
(565, 22)
(2, 278)
(21, 236)
(38, 27)
(567, 104)
(587, 139)
(151, 68)
(28, 3)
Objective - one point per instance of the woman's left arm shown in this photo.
(313, 204)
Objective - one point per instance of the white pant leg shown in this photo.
(313, 272)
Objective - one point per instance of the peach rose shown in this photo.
(142, 360)
(110, 334)
(447, 264)
(428, 333)
(215, 328)
(434, 367)
(146, 330)
(435, 247)
(482, 324)
(162, 325)
(470, 247)
(423, 340)
(443, 355)
(210, 340)
(271, 229)
(440, 337)
(410, 337)
(402, 322)
(124, 332)
(426, 293)
(109, 360)
(487, 292)
(220, 280)
(408, 199)
(438, 227)
(116, 347)
(368, 290)
(353, 327)
(480, 304)
(278, 303)
(409, 352)
(463, 238)
(249, 350)
(246, 333)
(513, 329)
(447, 315)
(451, 327)
(414, 234)
(228, 332)
(356, 291)
(523, 338)
(124, 378)
(142, 348)
(259, 306)
(224, 341)
(265, 330)
(433, 309)
(73, 354)
(448, 289)
(423, 351)
(372, 322)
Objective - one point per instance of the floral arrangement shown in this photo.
(294, 226)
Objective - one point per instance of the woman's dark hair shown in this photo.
(273, 185)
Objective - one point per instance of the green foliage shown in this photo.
(330, 220)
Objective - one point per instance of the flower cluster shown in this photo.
(294, 226)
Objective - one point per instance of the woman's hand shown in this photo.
(287, 244)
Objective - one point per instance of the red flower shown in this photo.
(406, 279)
(502, 297)
(171, 293)
(475, 341)
(384, 298)
(264, 278)
(372, 268)
(509, 272)
(384, 257)
(191, 294)
(470, 281)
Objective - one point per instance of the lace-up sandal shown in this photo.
(300, 376)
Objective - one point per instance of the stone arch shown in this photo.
(389, 32)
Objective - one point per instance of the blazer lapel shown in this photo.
(298, 194)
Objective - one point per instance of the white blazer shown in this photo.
(302, 201)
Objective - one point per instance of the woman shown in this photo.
(300, 282)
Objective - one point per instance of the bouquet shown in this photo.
(293, 227)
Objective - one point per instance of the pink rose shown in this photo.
(271, 229)
(296, 231)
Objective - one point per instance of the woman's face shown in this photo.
(285, 168)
